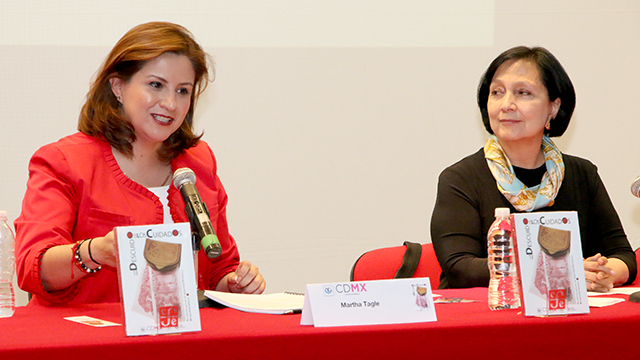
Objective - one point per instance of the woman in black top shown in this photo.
(525, 97)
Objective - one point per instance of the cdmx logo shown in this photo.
(347, 289)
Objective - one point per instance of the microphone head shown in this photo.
(182, 176)
(635, 187)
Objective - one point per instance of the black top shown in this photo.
(464, 211)
(530, 177)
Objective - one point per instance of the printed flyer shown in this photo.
(157, 279)
(550, 263)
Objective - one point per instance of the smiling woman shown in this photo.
(525, 97)
(135, 128)
(155, 101)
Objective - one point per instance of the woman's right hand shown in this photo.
(103, 250)
(58, 269)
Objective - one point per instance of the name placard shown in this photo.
(368, 303)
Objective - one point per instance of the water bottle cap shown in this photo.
(502, 212)
(3, 215)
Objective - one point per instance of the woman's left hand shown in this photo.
(246, 279)
(599, 276)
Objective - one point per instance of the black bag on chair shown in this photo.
(410, 260)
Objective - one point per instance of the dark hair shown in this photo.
(552, 75)
(102, 116)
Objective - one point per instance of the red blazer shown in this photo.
(76, 190)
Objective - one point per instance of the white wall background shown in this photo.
(331, 120)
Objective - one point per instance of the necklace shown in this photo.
(167, 178)
(164, 182)
(117, 156)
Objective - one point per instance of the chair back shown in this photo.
(383, 263)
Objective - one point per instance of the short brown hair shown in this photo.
(102, 116)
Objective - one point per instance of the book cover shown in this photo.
(550, 263)
(157, 279)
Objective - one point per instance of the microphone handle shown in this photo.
(198, 215)
(211, 246)
(208, 238)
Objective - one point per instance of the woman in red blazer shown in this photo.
(136, 128)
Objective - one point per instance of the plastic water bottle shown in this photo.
(504, 291)
(7, 268)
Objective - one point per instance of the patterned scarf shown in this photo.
(520, 196)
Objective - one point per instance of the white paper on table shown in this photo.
(615, 291)
(277, 303)
(602, 302)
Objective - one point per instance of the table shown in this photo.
(463, 330)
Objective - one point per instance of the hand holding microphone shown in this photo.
(184, 179)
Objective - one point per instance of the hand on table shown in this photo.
(246, 279)
(599, 276)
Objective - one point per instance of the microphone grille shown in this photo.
(635, 187)
(183, 175)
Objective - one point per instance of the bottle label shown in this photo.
(504, 284)
(505, 225)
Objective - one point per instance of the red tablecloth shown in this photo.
(463, 330)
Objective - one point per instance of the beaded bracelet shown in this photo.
(77, 259)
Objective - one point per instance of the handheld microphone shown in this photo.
(635, 187)
(197, 212)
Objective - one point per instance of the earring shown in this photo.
(548, 124)
(119, 98)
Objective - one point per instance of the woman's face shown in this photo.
(518, 104)
(157, 98)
